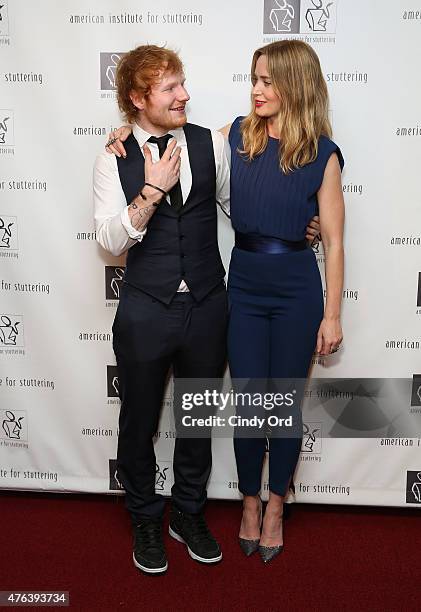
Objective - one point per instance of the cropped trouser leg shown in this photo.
(276, 307)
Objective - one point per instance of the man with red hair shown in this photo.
(158, 204)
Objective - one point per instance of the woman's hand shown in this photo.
(115, 140)
(329, 337)
(313, 230)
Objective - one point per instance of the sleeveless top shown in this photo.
(268, 202)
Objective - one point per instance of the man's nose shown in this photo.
(182, 94)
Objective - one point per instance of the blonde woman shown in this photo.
(284, 169)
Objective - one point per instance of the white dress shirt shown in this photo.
(114, 231)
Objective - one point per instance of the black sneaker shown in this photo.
(148, 547)
(192, 530)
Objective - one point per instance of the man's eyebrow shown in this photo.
(172, 82)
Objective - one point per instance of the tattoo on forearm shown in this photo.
(140, 218)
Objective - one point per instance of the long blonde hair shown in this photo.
(296, 76)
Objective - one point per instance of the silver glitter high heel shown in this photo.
(267, 553)
(250, 546)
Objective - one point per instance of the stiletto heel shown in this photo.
(267, 553)
(250, 546)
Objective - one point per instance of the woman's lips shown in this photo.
(259, 103)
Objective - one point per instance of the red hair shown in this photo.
(138, 70)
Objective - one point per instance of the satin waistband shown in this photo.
(267, 244)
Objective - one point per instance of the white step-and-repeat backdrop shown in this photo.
(59, 291)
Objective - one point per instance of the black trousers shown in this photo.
(148, 338)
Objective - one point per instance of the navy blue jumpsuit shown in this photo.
(276, 300)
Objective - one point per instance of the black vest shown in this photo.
(176, 246)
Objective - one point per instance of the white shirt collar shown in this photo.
(142, 136)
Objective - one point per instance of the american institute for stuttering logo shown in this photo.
(4, 18)
(163, 479)
(413, 487)
(8, 233)
(6, 127)
(416, 390)
(312, 438)
(114, 482)
(13, 425)
(108, 67)
(299, 16)
(112, 381)
(11, 331)
(163, 476)
(113, 280)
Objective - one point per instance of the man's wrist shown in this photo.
(149, 191)
(164, 193)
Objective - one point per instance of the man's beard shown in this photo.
(167, 121)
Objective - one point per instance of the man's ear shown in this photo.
(137, 99)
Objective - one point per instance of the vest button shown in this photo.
(182, 255)
(182, 237)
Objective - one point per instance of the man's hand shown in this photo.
(115, 141)
(165, 172)
(160, 177)
(313, 230)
